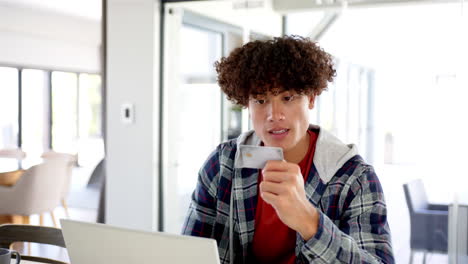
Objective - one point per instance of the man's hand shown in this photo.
(283, 188)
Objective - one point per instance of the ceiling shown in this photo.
(89, 9)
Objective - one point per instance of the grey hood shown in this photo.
(330, 152)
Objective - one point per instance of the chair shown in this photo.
(10, 234)
(12, 153)
(71, 160)
(9, 178)
(97, 176)
(429, 222)
(38, 190)
(97, 180)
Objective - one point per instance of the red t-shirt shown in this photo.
(273, 241)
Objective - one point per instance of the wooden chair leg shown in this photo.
(26, 221)
(17, 220)
(41, 220)
(53, 218)
(65, 207)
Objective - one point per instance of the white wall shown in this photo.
(44, 39)
(132, 149)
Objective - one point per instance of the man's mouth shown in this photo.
(278, 131)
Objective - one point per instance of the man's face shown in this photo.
(281, 120)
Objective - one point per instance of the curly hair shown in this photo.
(283, 63)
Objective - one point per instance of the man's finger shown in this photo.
(276, 165)
(272, 187)
(270, 198)
(278, 176)
(281, 165)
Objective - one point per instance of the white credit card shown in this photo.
(255, 157)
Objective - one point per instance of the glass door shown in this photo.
(194, 119)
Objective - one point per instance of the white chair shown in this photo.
(37, 191)
(13, 153)
(71, 160)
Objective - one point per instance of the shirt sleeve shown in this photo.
(201, 214)
(363, 234)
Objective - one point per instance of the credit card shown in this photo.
(255, 157)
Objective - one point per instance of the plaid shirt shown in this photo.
(352, 228)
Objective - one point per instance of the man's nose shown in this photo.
(275, 112)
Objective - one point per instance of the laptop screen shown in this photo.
(90, 243)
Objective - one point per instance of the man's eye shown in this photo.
(288, 98)
(259, 101)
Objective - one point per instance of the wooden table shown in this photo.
(10, 178)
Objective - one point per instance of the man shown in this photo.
(321, 204)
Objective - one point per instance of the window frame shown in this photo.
(49, 123)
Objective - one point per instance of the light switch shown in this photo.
(127, 112)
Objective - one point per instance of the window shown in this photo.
(34, 113)
(59, 110)
(64, 112)
(8, 107)
(77, 116)
(90, 142)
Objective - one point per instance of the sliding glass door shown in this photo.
(194, 115)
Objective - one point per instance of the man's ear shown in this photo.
(311, 101)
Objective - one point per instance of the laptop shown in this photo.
(91, 243)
